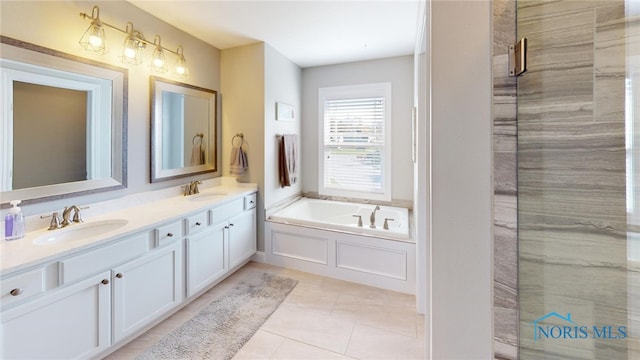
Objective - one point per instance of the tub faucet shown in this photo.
(372, 218)
(66, 214)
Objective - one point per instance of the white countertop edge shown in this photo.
(144, 211)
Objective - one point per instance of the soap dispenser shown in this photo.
(14, 222)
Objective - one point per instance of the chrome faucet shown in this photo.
(372, 218)
(192, 188)
(56, 223)
(66, 214)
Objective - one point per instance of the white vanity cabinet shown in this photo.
(84, 303)
(229, 241)
(68, 323)
(146, 288)
(205, 258)
(241, 236)
(136, 282)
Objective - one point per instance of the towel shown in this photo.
(239, 163)
(287, 167)
(197, 154)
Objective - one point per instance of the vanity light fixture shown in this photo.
(158, 62)
(181, 65)
(132, 48)
(134, 44)
(93, 39)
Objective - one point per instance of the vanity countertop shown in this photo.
(142, 212)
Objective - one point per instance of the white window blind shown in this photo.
(355, 146)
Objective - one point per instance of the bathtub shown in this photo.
(323, 237)
(336, 215)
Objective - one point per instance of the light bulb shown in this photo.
(158, 62)
(181, 65)
(95, 40)
(130, 53)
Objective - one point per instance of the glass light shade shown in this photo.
(158, 62)
(181, 68)
(94, 39)
(131, 51)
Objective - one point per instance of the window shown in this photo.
(355, 141)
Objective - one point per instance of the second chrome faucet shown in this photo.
(66, 220)
(192, 188)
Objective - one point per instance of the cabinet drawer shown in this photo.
(224, 212)
(250, 201)
(195, 223)
(168, 233)
(22, 286)
(90, 263)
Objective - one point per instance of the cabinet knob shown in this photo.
(119, 275)
(230, 225)
(105, 281)
(16, 292)
(170, 234)
(198, 224)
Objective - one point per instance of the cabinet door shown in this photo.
(146, 288)
(242, 237)
(205, 258)
(69, 323)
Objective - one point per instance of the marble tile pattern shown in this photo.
(505, 184)
(572, 220)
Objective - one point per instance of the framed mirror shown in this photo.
(183, 130)
(64, 124)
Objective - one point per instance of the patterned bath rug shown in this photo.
(225, 325)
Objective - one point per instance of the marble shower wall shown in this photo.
(571, 176)
(505, 185)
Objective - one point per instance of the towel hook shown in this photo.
(238, 135)
(198, 135)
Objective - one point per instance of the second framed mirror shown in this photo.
(183, 130)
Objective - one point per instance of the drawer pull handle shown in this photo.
(230, 225)
(16, 292)
(105, 281)
(198, 224)
(119, 275)
(170, 234)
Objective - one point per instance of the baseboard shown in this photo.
(259, 257)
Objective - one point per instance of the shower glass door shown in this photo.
(579, 180)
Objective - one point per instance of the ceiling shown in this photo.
(309, 33)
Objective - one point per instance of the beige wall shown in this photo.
(57, 25)
(242, 72)
(254, 77)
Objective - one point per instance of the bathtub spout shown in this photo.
(372, 218)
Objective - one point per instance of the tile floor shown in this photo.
(322, 318)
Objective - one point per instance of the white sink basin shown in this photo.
(205, 196)
(80, 231)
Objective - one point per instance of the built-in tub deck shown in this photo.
(323, 237)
